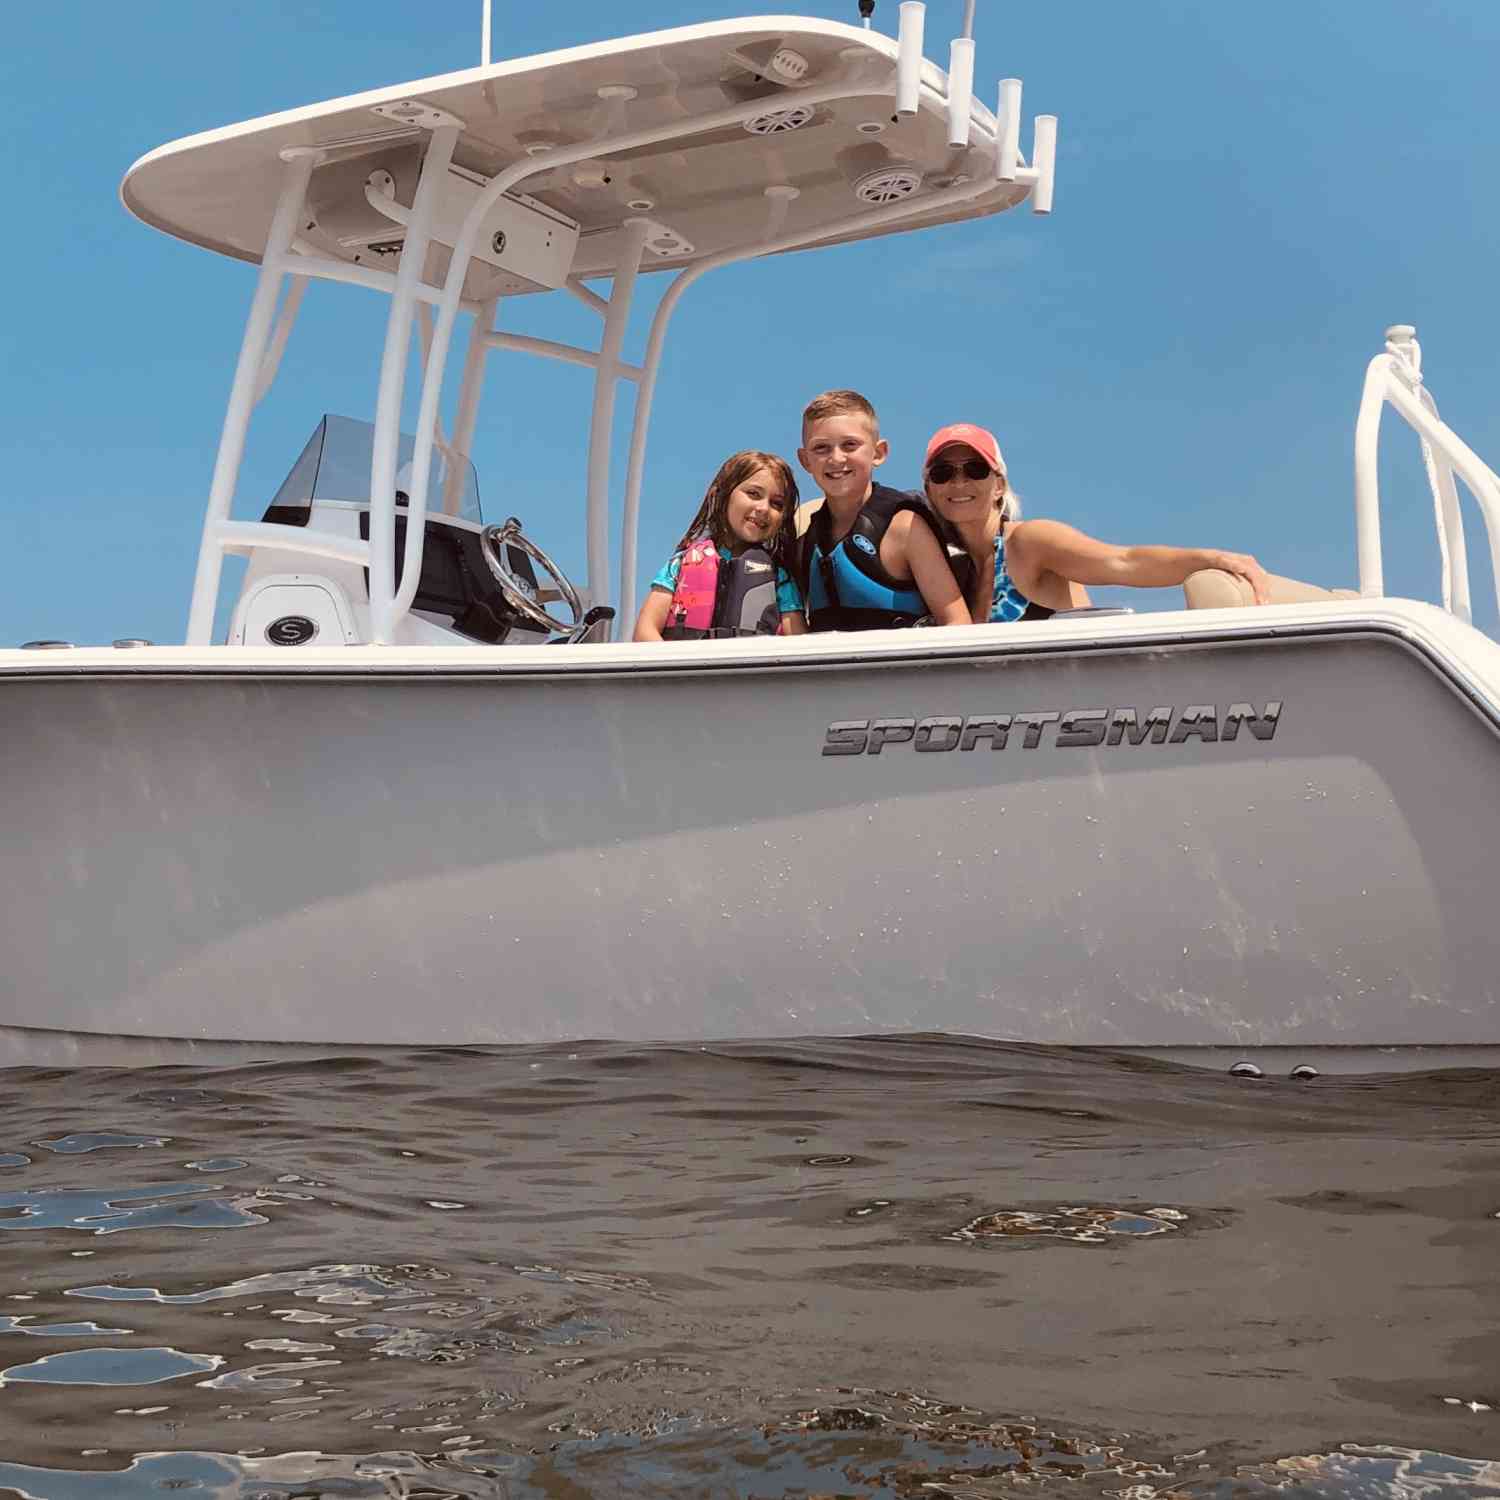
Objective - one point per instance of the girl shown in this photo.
(728, 575)
(1011, 569)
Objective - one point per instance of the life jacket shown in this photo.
(1007, 602)
(846, 586)
(718, 598)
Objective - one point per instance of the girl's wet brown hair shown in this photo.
(713, 515)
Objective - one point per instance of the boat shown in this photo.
(421, 793)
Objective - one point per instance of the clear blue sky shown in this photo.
(1247, 196)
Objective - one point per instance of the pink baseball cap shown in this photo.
(979, 439)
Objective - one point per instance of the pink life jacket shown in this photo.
(697, 590)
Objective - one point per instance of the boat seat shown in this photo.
(1213, 588)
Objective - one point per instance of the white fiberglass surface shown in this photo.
(335, 465)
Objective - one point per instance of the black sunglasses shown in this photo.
(942, 471)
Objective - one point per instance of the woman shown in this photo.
(1010, 569)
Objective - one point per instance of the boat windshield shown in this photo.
(335, 465)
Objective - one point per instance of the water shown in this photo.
(899, 1268)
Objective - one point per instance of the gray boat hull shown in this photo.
(920, 831)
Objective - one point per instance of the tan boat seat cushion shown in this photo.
(1212, 588)
(805, 513)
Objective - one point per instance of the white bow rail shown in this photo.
(1394, 378)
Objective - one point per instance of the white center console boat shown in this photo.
(423, 794)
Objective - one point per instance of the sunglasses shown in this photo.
(943, 472)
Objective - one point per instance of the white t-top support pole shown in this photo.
(469, 390)
(392, 381)
(606, 383)
(285, 321)
(242, 394)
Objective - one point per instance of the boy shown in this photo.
(869, 558)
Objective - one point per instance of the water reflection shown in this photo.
(99, 1140)
(1082, 1224)
(110, 1367)
(26, 1324)
(111, 1210)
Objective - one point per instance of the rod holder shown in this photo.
(1008, 158)
(1044, 159)
(960, 89)
(909, 56)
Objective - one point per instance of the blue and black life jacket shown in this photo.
(846, 586)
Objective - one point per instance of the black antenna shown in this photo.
(866, 10)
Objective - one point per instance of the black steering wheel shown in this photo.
(519, 592)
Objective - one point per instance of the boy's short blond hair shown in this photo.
(839, 404)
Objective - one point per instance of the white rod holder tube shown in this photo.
(909, 56)
(960, 89)
(601, 423)
(388, 397)
(1044, 159)
(247, 373)
(1008, 120)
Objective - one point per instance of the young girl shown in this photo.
(1010, 569)
(728, 575)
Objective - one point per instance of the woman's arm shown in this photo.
(1038, 547)
(793, 622)
(653, 616)
(930, 571)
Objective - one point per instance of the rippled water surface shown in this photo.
(916, 1267)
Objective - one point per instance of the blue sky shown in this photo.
(1246, 197)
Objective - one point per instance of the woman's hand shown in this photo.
(1242, 565)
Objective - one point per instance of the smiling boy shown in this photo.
(869, 560)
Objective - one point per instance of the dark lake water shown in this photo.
(900, 1268)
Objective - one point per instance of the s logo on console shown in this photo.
(291, 630)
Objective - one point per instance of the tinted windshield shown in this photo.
(335, 465)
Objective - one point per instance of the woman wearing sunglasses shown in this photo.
(1011, 569)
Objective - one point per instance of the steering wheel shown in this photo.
(493, 541)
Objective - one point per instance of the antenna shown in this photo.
(484, 37)
(866, 10)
